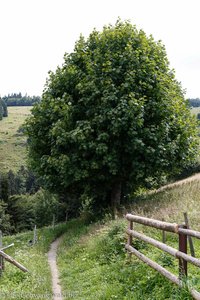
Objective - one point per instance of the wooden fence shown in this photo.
(4, 256)
(181, 254)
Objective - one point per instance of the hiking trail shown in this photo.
(52, 253)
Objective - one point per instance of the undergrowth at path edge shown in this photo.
(96, 266)
(14, 284)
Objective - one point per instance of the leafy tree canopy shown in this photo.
(111, 116)
(3, 109)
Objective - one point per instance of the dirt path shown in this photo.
(56, 288)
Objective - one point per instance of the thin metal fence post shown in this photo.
(189, 237)
(182, 248)
(35, 235)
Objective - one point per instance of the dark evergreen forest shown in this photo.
(194, 102)
(15, 99)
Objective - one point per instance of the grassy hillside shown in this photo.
(14, 284)
(92, 261)
(195, 110)
(12, 142)
(95, 266)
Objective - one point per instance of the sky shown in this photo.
(35, 35)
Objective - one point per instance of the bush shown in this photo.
(38, 209)
(5, 222)
(110, 244)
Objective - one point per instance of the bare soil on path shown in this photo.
(56, 288)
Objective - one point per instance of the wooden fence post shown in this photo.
(189, 237)
(183, 233)
(2, 263)
(1, 258)
(12, 261)
(130, 238)
(182, 248)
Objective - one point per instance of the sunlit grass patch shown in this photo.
(36, 284)
(95, 265)
(13, 143)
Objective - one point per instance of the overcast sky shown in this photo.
(35, 34)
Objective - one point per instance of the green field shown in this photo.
(36, 284)
(91, 258)
(195, 110)
(96, 266)
(13, 143)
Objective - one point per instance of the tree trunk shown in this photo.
(115, 197)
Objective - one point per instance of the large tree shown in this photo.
(1, 109)
(5, 109)
(112, 115)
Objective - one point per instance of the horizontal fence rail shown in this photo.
(154, 265)
(190, 232)
(153, 223)
(174, 252)
(181, 254)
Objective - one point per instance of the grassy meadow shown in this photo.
(195, 110)
(36, 284)
(96, 266)
(13, 142)
(92, 261)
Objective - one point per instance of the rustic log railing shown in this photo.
(4, 256)
(181, 254)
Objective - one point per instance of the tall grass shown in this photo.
(171, 203)
(92, 261)
(96, 266)
(14, 284)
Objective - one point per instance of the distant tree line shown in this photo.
(24, 204)
(194, 102)
(22, 182)
(3, 109)
(19, 100)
